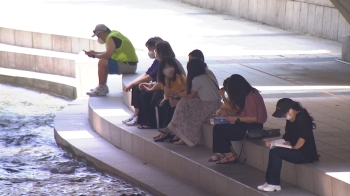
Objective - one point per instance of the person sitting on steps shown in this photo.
(119, 58)
(298, 134)
(147, 115)
(198, 54)
(149, 76)
(196, 106)
(251, 114)
(172, 81)
(226, 109)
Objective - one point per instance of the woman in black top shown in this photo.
(298, 134)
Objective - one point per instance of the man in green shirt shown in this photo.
(119, 58)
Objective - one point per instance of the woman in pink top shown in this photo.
(252, 114)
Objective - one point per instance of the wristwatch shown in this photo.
(93, 55)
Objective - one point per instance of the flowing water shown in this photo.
(30, 161)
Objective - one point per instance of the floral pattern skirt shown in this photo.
(189, 116)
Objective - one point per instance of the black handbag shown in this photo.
(255, 133)
(157, 97)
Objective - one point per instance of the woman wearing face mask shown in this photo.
(145, 79)
(196, 106)
(172, 81)
(298, 134)
(147, 116)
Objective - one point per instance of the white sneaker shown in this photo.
(133, 122)
(272, 188)
(98, 86)
(261, 187)
(129, 119)
(99, 91)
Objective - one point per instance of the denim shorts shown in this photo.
(112, 66)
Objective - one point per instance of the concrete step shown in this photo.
(187, 164)
(73, 132)
(54, 84)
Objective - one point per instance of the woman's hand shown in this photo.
(127, 88)
(224, 113)
(145, 85)
(231, 118)
(173, 102)
(89, 53)
(267, 143)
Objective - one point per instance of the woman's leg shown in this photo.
(136, 98)
(223, 134)
(149, 113)
(275, 163)
(145, 108)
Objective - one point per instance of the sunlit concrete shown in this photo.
(219, 36)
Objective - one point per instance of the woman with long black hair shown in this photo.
(172, 81)
(251, 114)
(147, 115)
(196, 106)
(298, 135)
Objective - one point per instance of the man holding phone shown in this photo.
(119, 58)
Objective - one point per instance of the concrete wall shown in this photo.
(44, 41)
(346, 49)
(344, 8)
(315, 17)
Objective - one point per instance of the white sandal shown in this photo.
(181, 142)
(216, 157)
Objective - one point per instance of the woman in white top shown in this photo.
(196, 106)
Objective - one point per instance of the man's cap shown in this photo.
(99, 29)
(282, 107)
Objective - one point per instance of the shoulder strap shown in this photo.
(240, 153)
(213, 82)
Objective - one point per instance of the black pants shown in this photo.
(147, 113)
(136, 96)
(166, 113)
(223, 134)
(274, 167)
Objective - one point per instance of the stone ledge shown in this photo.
(59, 43)
(53, 84)
(188, 164)
(73, 131)
(75, 66)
